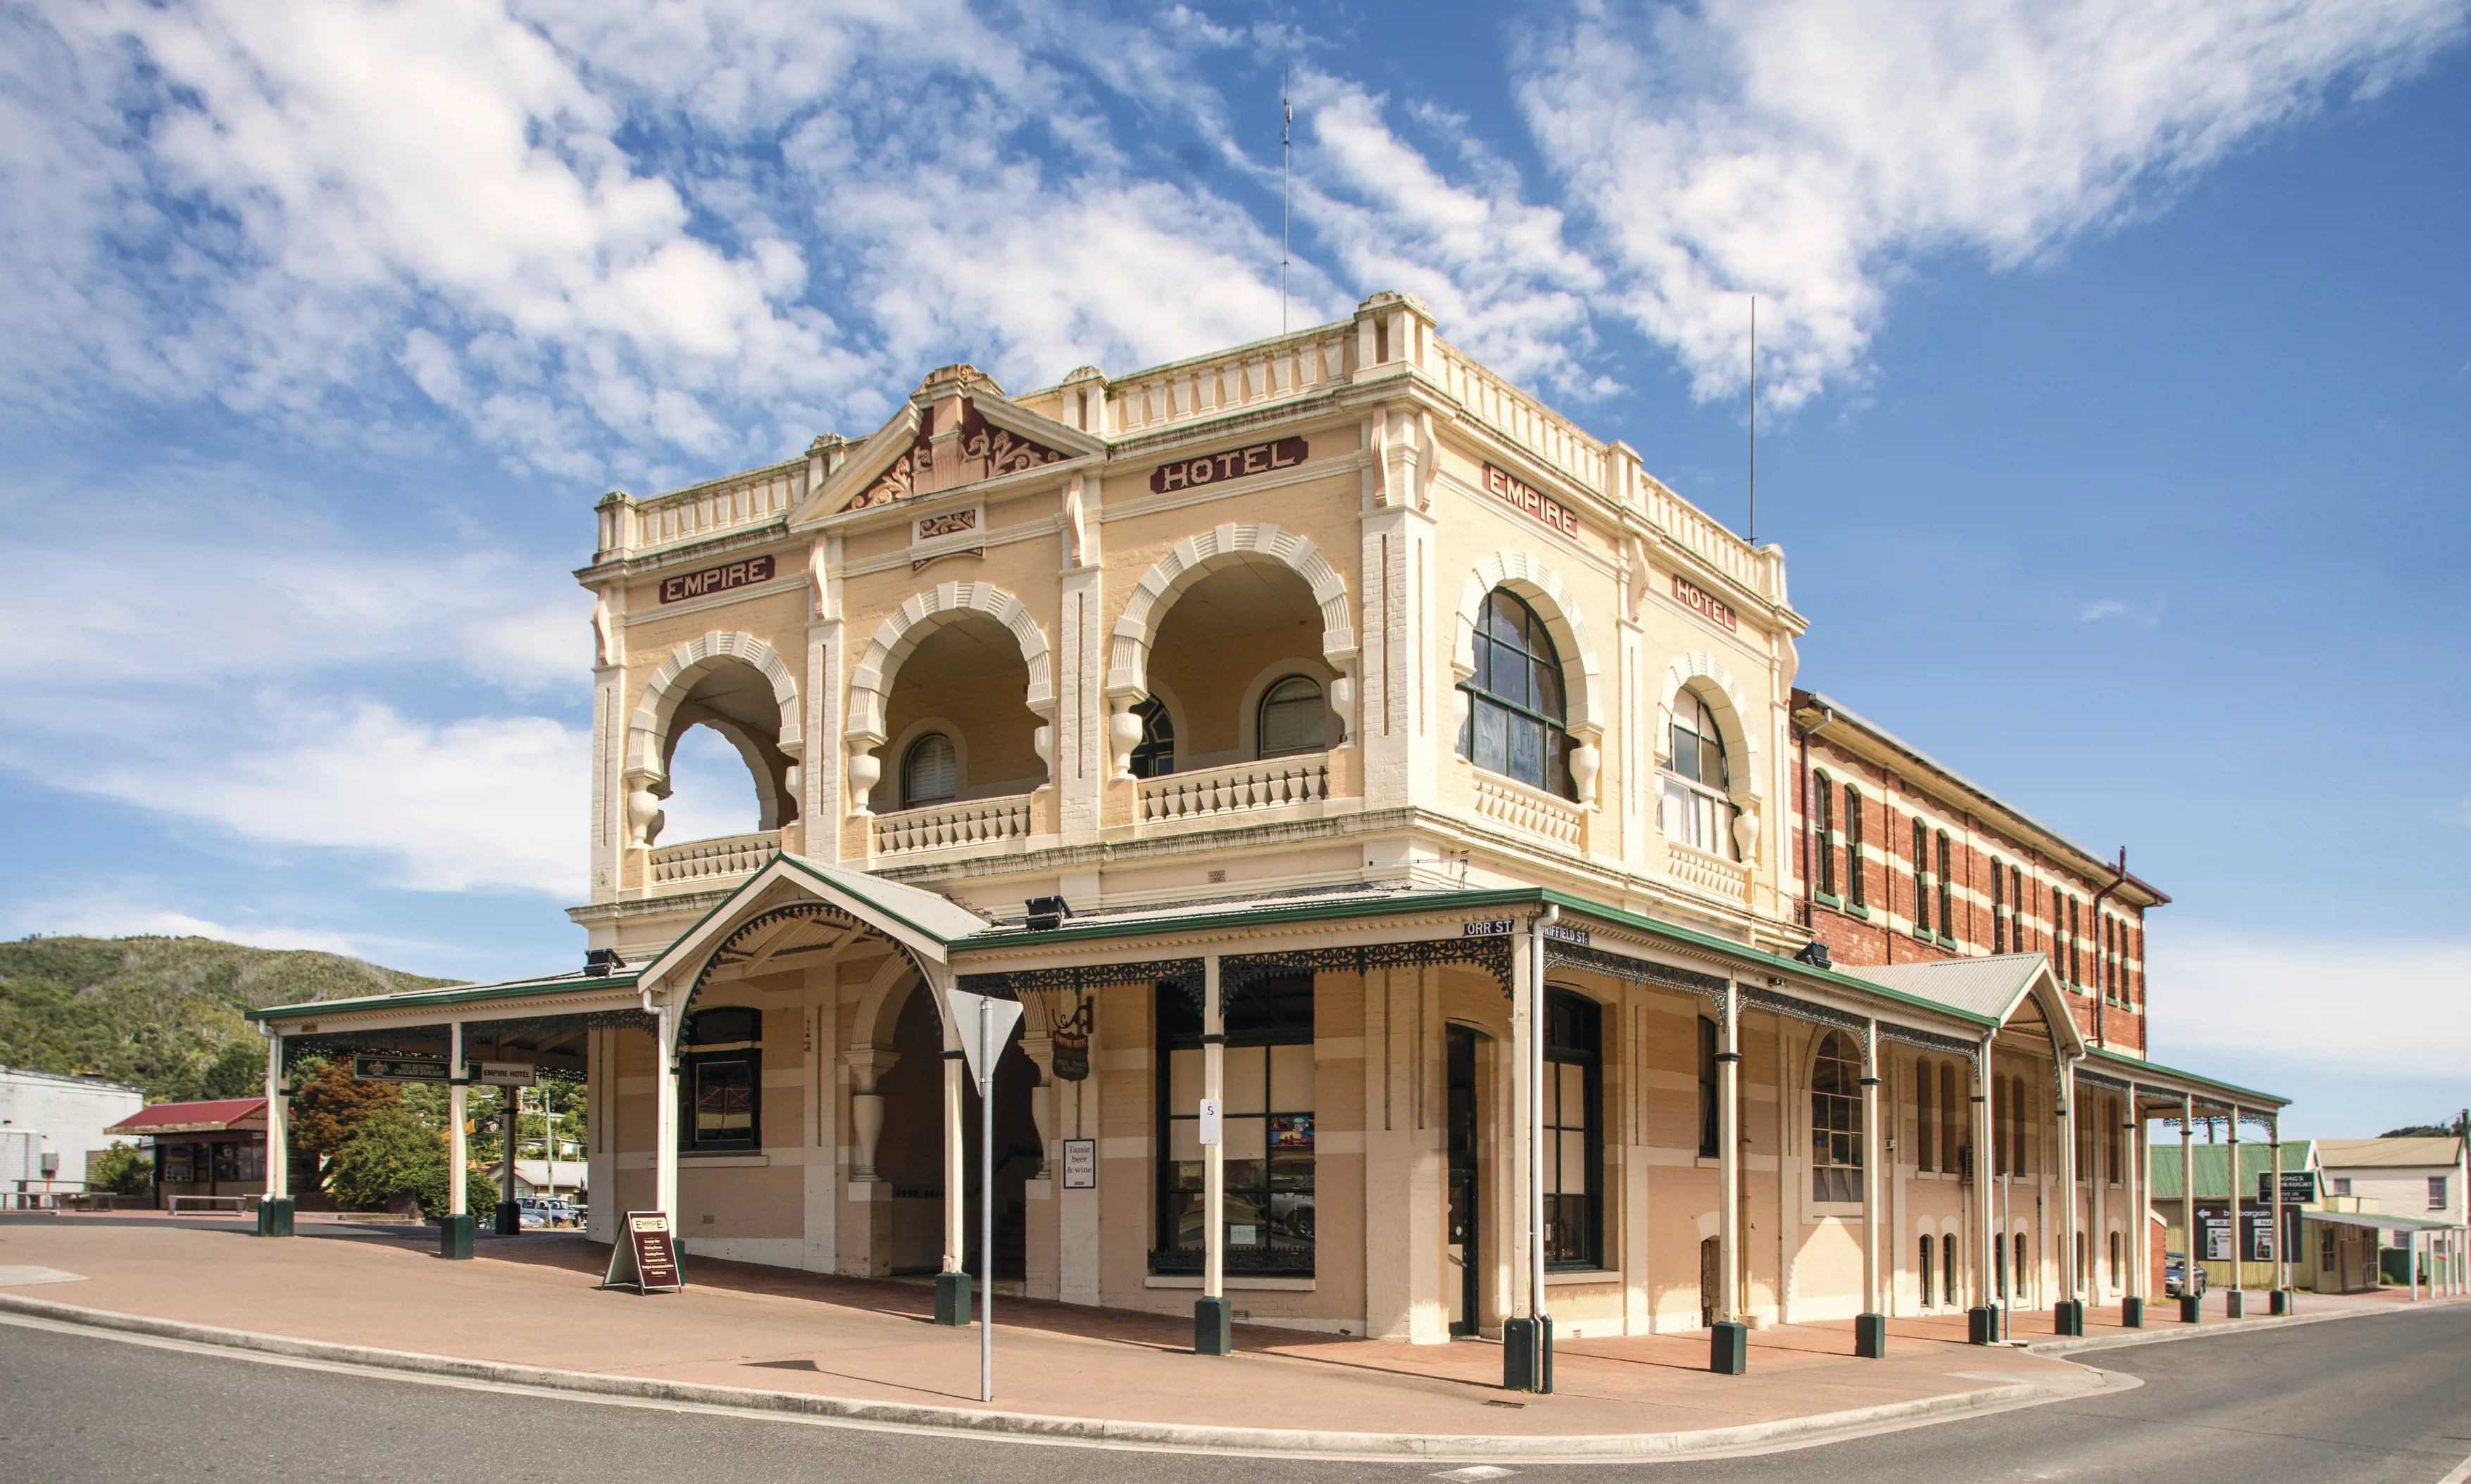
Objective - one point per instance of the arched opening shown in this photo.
(712, 791)
(1836, 1120)
(1241, 652)
(1696, 807)
(909, 1153)
(723, 769)
(957, 718)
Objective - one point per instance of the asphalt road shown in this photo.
(2368, 1400)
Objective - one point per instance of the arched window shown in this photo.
(930, 772)
(1514, 703)
(1836, 1120)
(2114, 1259)
(1998, 906)
(2024, 1272)
(1947, 1266)
(2114, 1137)
(1154, 756)
(1927, 1295)
(1696, 811)
(1921, 880)
(1857, 885)
(1291, 717)
(1946, 889)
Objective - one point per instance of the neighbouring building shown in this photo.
(1329, 728)
(213, 1148)
(2416, 1188)
(51, 1124)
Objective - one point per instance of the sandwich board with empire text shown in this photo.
(645, 1257)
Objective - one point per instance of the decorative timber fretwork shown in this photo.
(955, 445)
(1931, 1041)
(1182, 974)
(731, 952)
(995, 451)
(1492, 954)
(2098, 1079)
(1562, 954)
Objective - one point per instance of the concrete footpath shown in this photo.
(525, 1312)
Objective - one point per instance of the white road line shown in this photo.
(1474, 1473)
(2460, 1474)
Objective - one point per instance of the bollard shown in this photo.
(1214, 1322)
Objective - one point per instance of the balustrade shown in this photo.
(710, 860)
(973, 821)
(1528, 809)
(703, 510)
(1235, 788)
(1706, 872)
(1253, 376)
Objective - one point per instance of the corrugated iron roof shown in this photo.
(215, 1116)
(2389, 1154)
(2211, 1160)
(1986, 986)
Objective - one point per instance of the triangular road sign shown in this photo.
(1001, 1016)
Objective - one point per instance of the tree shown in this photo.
(239, 1072)
(2457, 1129)
(331, 1106)
(121, 1170)
(391, 1156)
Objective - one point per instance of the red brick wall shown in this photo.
(1888, 805)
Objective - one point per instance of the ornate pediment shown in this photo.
(959, 428)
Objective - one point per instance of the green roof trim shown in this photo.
(2113, 1063)
(443, 994)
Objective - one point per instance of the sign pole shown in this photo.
(986, 1203)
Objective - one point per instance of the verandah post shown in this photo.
(1870, 1325)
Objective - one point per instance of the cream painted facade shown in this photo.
(1201, 643)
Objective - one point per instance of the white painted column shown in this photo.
(665, 1114)
(1985, 1167)
(1077, 1278)
(1873, 1182)
(1214, 1155)
(956, 1168)
(457, 1147)
(2239, 1238)
(278, 1122)
(1728, 1152)
(2136, 1219)
(2189, 1246)
(1536, 1031)
(2069, 1226)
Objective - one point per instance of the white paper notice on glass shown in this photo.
(1080, 1164)
(1209, 1122)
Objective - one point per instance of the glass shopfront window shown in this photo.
(721, 1071)
(1573, 1170)
(1267, 1124)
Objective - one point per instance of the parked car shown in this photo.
(2173, 1274)
(535, 1211)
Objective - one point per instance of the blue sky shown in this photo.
(2116, 361)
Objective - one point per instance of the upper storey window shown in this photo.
(930, 772)
(1514, 723)
(1696, 811)
(1291, 717)
(1155, 756)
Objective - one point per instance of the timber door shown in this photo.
(1711, 1278)
(1464, 1215)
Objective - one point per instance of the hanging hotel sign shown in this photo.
(1705, 604)
(1242, 463)
(646, 1261)
(399, 1069)
(716, 579)
(1503, 485)
(503, 1074)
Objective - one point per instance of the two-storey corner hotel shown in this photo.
(1329, 732)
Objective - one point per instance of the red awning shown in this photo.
(224, 1115)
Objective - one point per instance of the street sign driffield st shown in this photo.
(647, 1259)
(399, 1069)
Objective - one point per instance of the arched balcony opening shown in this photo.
(724, 786)
(961, 755)
(1239, 713)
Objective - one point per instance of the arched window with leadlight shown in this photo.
(1836, 1120)
(1154, 756)
(1517, 719)
(1696, 774)
(930, 772)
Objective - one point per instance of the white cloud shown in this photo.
(1808, 151)
(2366, 1004)
(2101, 608)
(489, 803)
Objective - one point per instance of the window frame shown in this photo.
(1856, 876)
(1262, 751)
(1998, 905)
(1922, 914)
(1157, 740)
(1710, 804)
(1170, 1013)
(1840, 1108)
(910, 799)
(1588, 1250)
(715, 1037)
(1822, 792)
(1946, 889)
(1554, 753)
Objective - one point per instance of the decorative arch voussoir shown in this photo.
(1193, 558)
(871, 681)
(647, 728)
(1706, 673)
(1543, 589)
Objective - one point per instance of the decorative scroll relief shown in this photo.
(1180, 975)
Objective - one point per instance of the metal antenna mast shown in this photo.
(1755, 420)
(1286, 158)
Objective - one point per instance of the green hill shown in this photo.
(163, 1013)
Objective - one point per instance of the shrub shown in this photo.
(392, 1154)
(121, 1170)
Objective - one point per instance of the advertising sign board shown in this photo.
(646, 1257)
